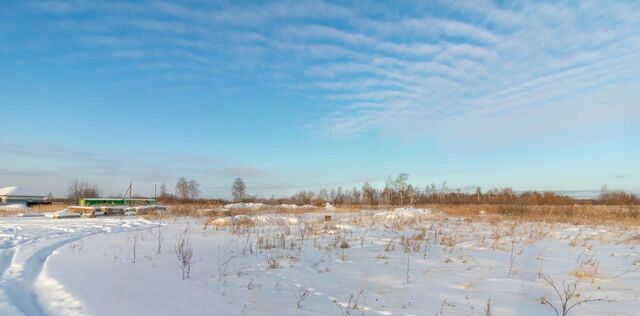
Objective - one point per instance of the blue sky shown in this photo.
(310, 94)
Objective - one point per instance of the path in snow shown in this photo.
(26, 244)
(467, 264)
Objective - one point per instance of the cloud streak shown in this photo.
(376, 67)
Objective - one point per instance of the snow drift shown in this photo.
(404, 215)
(256, 220)
(63, 214)
(13, 207)
(250, 206)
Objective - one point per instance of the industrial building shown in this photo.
(15, 195)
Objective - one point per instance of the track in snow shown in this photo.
(26, 246)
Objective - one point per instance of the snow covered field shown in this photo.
(403, 262)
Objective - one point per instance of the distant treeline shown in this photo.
(398, 192)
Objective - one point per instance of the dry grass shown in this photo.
(626, 215)
(55, 206)
(584, 274)
(572, 214)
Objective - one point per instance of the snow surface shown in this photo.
(12, 207)
(30, 214)
(403, 214)
(255, 220)
(26, 244)
(295, 207)
(63, 214)
(250, 206)
(88, 266)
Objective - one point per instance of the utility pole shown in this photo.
(129, 190)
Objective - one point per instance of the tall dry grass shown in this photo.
(573, 214)
(54, 206)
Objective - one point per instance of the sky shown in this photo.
(304, 95)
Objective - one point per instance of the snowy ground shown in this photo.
(406, 262)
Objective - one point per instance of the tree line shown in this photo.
(396, 192)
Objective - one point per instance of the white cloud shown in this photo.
(377, 67)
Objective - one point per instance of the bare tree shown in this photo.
(303, 197)
(187, 189)
(387, 193)
(368, 194)
(182, 188)
(332, 196)
(400, 185)
(194, 190)
(444, 190)
(81, 189)
(412, 194)
(163, 190)
(322, 197)
(355, 196)
(238, 190)
(339, 198)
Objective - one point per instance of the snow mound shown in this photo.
(63, 214)
(293, 206)
(251, 206)
(13, 207)
(402, 214)
(256, 220)
(30, 214)
(329, 207)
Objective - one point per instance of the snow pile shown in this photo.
(256, 220)
(147, 209)
(329, 207)
(251, 206)
(30, 214)
(272, 219)
(63, 214)
(12, 207)
(404, 215)
(293, 206)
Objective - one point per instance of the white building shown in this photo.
(15, 195)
